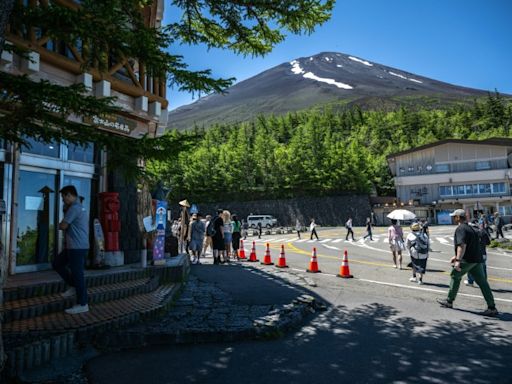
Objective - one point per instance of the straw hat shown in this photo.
(184, 203)
(415, 226)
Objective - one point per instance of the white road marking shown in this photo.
(301, 241)
(442, 241)
(331, 247)
(337, 241)
(325, 240)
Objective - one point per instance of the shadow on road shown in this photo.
(370, 344)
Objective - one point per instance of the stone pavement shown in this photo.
(226, 303)
(237, 301)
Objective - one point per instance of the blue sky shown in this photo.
(463, 42)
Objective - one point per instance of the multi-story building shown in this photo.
(436, 178)
(31, 177)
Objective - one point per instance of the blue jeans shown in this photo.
(74, 275)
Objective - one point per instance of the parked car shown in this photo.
(267, 221)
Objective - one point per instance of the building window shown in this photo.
(40, 148)
(484, 189)
(428, 167)
(461, 190)
(480, 165)
(445, 190)
(498, 188)
(442, 168)
(80, 153)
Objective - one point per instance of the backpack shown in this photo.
(421, 243)
(210, 229)
(484, 237)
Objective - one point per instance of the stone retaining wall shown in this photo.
(328, 210)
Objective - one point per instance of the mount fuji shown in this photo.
(329, 79)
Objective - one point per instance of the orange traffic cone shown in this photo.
(267, 260)
(252, 256)
(313, 264)
(344, 269)
(281, 262)
(241, 251)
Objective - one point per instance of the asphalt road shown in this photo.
(379, 327)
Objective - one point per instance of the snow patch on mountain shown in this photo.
(361, 61)
(297, 69)
(312, 76)
(405, 77)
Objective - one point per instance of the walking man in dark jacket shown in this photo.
(498, 221)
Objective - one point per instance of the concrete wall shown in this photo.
(329, 210)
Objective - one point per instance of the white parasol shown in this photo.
(401, 214)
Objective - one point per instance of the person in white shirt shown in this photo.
(417, 244)
(312, 228)
(348, 225)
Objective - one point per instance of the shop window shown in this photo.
(442, 168)
(84, 154)
(41, 148)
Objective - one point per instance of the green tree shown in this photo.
(117, 27)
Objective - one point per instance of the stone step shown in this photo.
(40, 305)
(53, 284)
(37, 341)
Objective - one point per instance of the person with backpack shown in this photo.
(498, 222)
(417, 244)
(236, 235)
(485, 240)
(467, 258)
(216, 231)
(368, 229)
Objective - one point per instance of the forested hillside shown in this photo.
(316, 152)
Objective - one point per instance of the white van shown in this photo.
(265, 220)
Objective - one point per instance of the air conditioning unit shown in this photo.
(85, 79)
(155, 109)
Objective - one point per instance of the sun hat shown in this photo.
(415, 226)
(184, 203)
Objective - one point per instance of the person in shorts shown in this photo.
(197, 230)
(396, 242)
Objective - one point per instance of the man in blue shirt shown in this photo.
(75, 225)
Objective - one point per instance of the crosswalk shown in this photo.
(444, 240)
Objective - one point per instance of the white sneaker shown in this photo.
(420, 282)
(70, 292)
(468, 283)
(75, 309)
(413, 279)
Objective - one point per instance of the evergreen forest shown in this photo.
(315, 152)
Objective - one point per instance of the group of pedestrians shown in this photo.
(470, 255)
(221, 233)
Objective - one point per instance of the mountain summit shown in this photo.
(327, 78)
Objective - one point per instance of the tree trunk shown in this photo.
(6, 7)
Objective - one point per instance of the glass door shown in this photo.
(36, 231)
